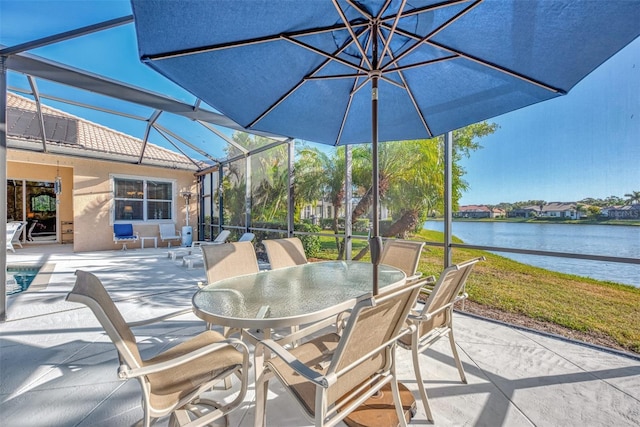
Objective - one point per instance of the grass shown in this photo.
(581, 304)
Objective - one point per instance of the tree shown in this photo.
(593, 212)
(415, 171)
(319, 175)
(269, 181)
(632, 198)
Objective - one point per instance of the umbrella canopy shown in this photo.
(304, 69)
(346, 71)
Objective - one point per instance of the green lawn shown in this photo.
(574, 302)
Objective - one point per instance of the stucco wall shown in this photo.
(86, 197)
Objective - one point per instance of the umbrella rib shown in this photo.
(426, 38)
(247, 42)
(415, 105)
(354, 89)
(300, 83)
(429, 8)
(329, 56)
(391, 32)
(351, 32)
(423, 63)
(362, 11)
(336, 76)
(498, 68)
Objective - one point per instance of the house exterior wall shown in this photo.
(87, 194)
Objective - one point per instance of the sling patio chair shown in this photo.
(123, 233)
(16, 236)
(173, 381)
(332, 375)
(168, 232)
(435, 320)
(403, 254)
(229, 260)
(247, 237)
(12, 230)
(195, 255)
(285, 252)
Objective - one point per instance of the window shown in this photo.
(138, 199)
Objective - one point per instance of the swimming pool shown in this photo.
(20, 277)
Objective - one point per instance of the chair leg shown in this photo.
(456, 357)
(397, 401)
(262, 388)
(421, 388)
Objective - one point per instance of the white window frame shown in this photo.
(144, 179)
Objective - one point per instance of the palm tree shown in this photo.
(320, 175)
(632, 198)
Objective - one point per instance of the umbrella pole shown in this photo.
(375, 242)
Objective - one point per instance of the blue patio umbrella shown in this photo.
(345, 71)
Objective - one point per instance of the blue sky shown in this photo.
(585, 144)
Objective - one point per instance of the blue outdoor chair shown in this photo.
(123, 233)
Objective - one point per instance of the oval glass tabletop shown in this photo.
(289, 296)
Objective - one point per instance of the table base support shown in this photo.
(379, 410)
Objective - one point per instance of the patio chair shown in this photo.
(435, 320)
(285, 252)
(123, 233)
(403, 254)
(229, 260)
(12, 230)
(247, 237)
(193, 258)
(172, 381)
(332, 375)
(168, 232)
(16, 236)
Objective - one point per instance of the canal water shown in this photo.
(608, 240)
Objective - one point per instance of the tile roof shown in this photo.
(473, 208)
(92, 140)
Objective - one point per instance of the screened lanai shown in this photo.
(245, 181)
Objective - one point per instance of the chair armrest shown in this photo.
(428, 316)
(159, 318)
(288, 358)
(126, 373)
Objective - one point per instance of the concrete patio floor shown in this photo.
(58, 367)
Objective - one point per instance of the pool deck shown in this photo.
(58, 367)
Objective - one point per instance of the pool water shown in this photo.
(19, 278)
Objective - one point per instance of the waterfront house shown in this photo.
(473, 211)
(560, 210)
(498, 213)
(73, 185)
(524, 212)
(622, 212)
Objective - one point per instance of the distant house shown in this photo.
(85, 177)
(498, 213)
(560, 210)
(524, 212)
(473, 211)
(623, 212)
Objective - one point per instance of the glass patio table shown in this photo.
(289, 297)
